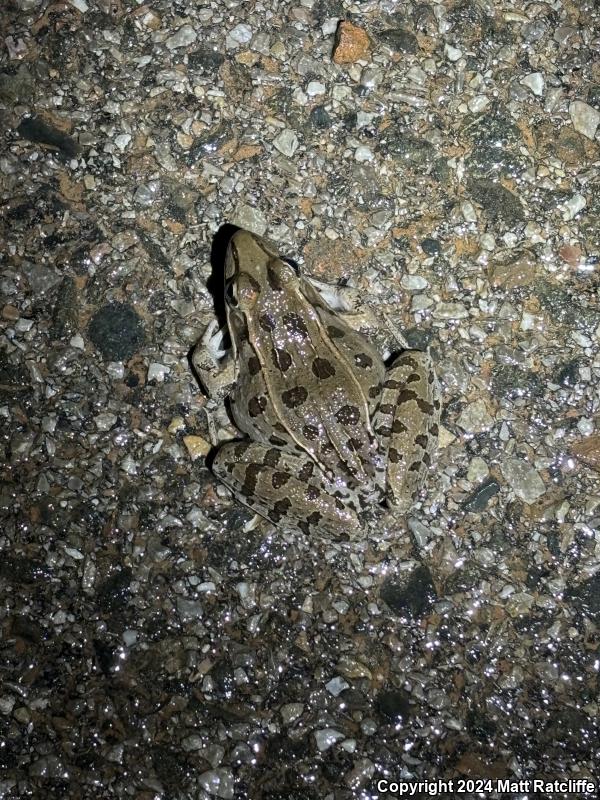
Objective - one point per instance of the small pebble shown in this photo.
(573, 206)
(524, 480)
(585, 119)
(241, 34)
(182, 38)
(534, 81)
(286, 142)
(326, 738)
(363, 153)
(315, 88)
(452, 53)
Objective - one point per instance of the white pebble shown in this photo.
(585, 119)
(363, 153)
(468, 212)
(581, 339)
(181, 38)
(327, 737)
(452, 53)
(585, 426)
(157, 372)
(573, 206)
(478, 103)
(314, 88)
(534, 81)
(286, 142)
(241, 34)
(122, 140)
(414, 283)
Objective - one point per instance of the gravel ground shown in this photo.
(440, 158)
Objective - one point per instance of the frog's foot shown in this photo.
(408, 417)
(350, 304)
(284, 487)
(212, 362)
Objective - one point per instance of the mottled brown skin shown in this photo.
(330, 431)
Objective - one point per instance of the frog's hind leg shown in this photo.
(284, 487)
(408, 418)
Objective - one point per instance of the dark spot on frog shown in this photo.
(306, 472)
(253, 365)
(406, 395)
(273, 278)
(422, 440)
(356, 445)
(312, 493)
(434, 429)
(363, 360)
(384, 431)
(427, 459)
(374, 391)
(279, 479)
(410, 361)
(322, 368)
(276, 441)
(416, 466)
(256, 406)
(295, 325)
(394, 457)
(280, 509)
(392, 384)
(267, 322)
(314, 519)
(413, 377)
(387, 409)
(399, 427)
(348, 415)
(335, 333)
(311, 432)
(281, 358)
(272, 457)
(294, 397)
(251, 475)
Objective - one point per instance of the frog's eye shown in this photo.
(293, 264)
(230, 297)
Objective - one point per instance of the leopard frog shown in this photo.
(330, 432)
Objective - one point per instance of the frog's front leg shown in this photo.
(407, 418)
(284, 486)
(213, 364)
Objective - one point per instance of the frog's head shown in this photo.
(254, 271)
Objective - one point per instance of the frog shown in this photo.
(329, 432)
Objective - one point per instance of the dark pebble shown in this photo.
(113, 594)
(430, 246)
(498, 203)
(399, 39)
(319, 118)
(414, 593)
(205, 58)
(393, 705)
(36, 130)
(568, 374)
(586, 597)
(482, 495)
(117, 331)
